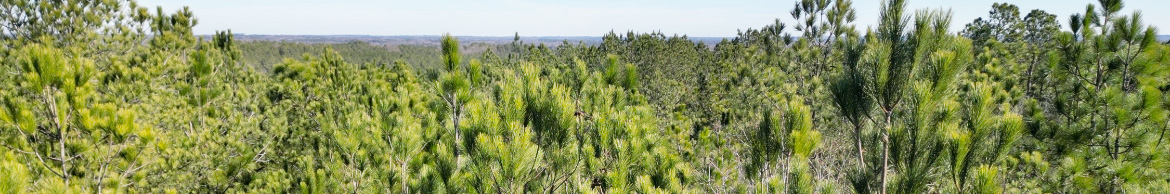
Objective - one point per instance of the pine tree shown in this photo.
(72, 134)
(109, 97)
(1103, 110)
(908, 76)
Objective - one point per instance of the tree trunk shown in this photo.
(860, 150)
(52, 102)
(1028, 76)
(886, 151)
(455, 123)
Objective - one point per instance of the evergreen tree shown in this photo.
(109, 97)
(1103, 108)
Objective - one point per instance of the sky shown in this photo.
(697, 18)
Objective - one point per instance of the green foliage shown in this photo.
(451, 55)
(1009, 105)
(15, 177)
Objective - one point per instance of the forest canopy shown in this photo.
(112, 97)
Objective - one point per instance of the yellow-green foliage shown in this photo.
(110, 97)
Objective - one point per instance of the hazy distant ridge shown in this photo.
(434, 40)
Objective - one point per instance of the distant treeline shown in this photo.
(108, 97)
(264, 54)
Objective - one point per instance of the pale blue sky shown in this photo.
(719, 18)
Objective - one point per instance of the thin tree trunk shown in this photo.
(405, 178)
(787, 172)
(52, 101)
(455, 123)
(886, 151)
(860, 150)
(102, 171)
(1028, 76)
